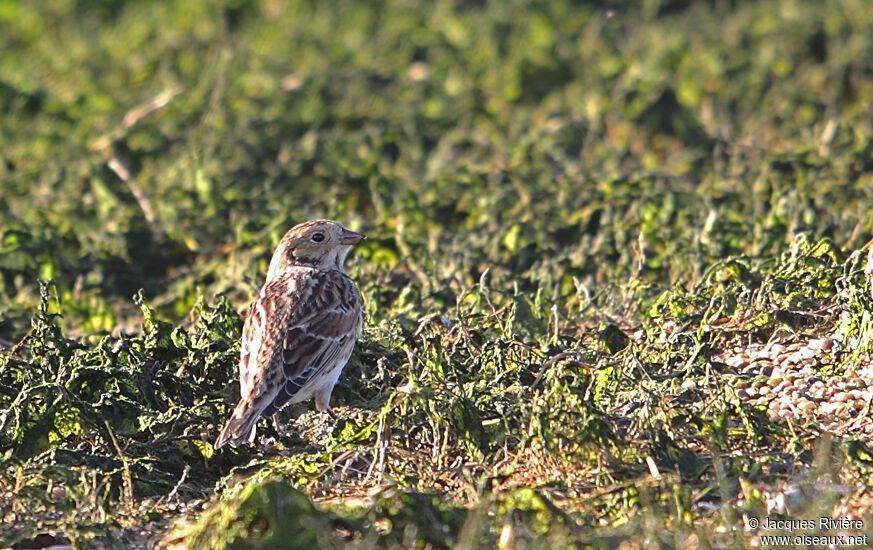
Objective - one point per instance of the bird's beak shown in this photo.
(350, 237)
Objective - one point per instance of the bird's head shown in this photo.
(322, 244)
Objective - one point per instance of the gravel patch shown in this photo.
(804, 382)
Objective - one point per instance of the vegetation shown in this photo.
(573, 211)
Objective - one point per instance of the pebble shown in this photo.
(736, 362)
(775, 349)
(820, 344)
(786, 379)
(749, 370)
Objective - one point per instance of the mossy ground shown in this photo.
(571, 208)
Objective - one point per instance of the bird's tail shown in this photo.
(241, 426)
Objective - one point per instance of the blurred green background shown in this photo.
(540, 139)
(538, 182)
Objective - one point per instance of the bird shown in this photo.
(300, 330)
(868, 270)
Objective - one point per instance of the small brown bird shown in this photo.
(301, 329)
(868, 270)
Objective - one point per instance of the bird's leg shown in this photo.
(276, 426)
(322, 402)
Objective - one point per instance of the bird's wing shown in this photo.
(321, 336)
(249, 343)
(262, 333)
(299, 325)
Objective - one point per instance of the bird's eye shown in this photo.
(318, 237)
